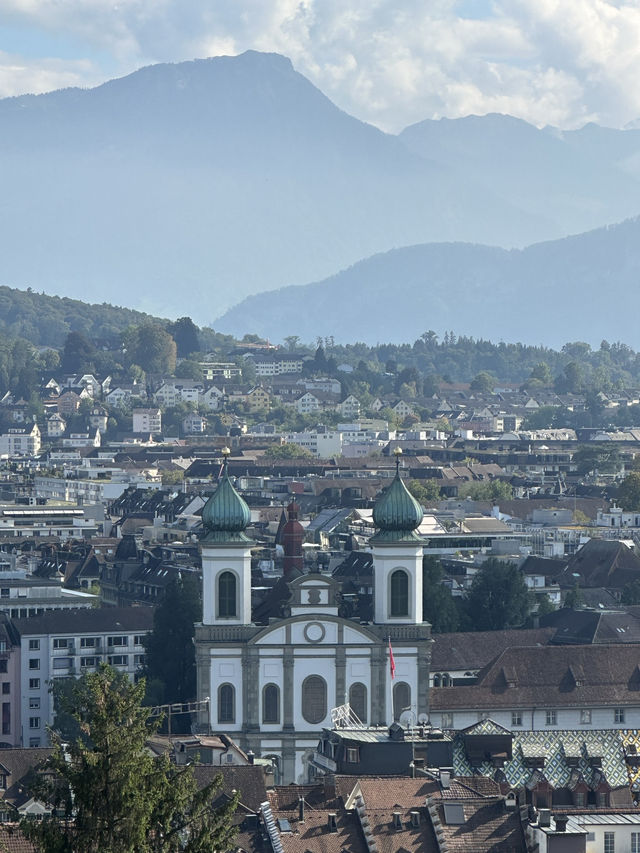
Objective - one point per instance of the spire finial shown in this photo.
(397, 453)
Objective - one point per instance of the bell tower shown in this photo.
(397, 555)
(226, 555)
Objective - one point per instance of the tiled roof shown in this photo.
(248, 779)
(487, 827)
(13, 841)
(475, 649)
(545, 677)
(555, 747)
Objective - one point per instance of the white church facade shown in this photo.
(273, 687)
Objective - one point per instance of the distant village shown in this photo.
(350, 679)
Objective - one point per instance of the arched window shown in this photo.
(399, 593)
(401, 698)
(436, 680)
(314, 699)
(446, 680)
(358, 700)
(227, 595)
(226, 703)
(271, 704)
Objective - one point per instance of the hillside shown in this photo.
(182, 188)
(581, 288)
(46, 320)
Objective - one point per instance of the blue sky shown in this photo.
(390, 62)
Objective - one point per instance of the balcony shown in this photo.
(324, 763)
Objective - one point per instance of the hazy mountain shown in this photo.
(578, 288)
(580, 179)
(182, 188)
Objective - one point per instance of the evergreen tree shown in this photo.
(170, 653)
(498, 598)
(438, 606)
(113, 795)
(185, 333)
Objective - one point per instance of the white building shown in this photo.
(21, 442)
(272, 686)
(67, 644)
(147, 420)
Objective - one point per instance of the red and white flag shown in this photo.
(392, 663)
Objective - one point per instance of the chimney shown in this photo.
(561, 822)
(415, 818)
(544, 817)
(332, 822)
(397, 820)
(251, 756)
(301, 809)
(445, 779)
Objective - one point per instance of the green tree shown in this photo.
(498, 598)
(601, 457)
(287, 451)
(151, 347)
(573, 599)
(78, 354)
(185, 333)
(487, 490)
(425, 491)
(113, 795)
(628, 496)
(631, 593)
(483, 382)
(438, 605)
(170, 653)
(545, 605)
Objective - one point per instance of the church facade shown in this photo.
(272, 687)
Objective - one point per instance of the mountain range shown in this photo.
(584, 288)
(181, 189)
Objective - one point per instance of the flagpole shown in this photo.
(390, 676)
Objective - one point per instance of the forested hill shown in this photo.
(583, 287)
(47, 320)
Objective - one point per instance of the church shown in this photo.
(273, 687)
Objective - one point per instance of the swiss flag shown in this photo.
(392, 663)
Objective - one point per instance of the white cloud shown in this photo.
(390, 62)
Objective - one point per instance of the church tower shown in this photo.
(397, 555)
(226, 555)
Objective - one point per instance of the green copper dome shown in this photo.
(225, 515)
(397, 514)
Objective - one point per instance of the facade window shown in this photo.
(3, 665)
(401, 699)
(609, 842)
(118, 660)
(34, 684)
(635, 842)
(358, 700)
(516, 718)
(314, 699)
(34, 645)
(88, 642)
(139, 639)
(271, 704)
(4, 592)
(580, 799)
(353, 755)
(585, 717)
(138, 660)
(618, 715)
(399, 593)
(34, 722)
(88, 661)
(62, 663)
(6, 688)
(34, 663)
(446, 720)
(34, 741)
(117, 641)
(227, 596)
(226, 703)
(6, 718)
(602, 802)
(34, 703)
(61, 643)
(551, 718)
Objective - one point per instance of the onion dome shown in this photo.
(397, 514)
(225, 515)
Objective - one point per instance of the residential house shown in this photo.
(21, 442)
(147, 421)
(56, 426)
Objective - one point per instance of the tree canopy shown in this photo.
(110, 795)
(498, 598)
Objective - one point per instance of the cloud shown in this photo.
(391, 62)
(20, 77)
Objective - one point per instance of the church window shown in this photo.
(227, 595)
(401, 699)
(399, 593)
(358, 700)
(271, 704)
(226, 703)
(314, 699)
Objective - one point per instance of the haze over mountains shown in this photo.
(181, 189)
(579, 288)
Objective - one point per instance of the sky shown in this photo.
(389, 62)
